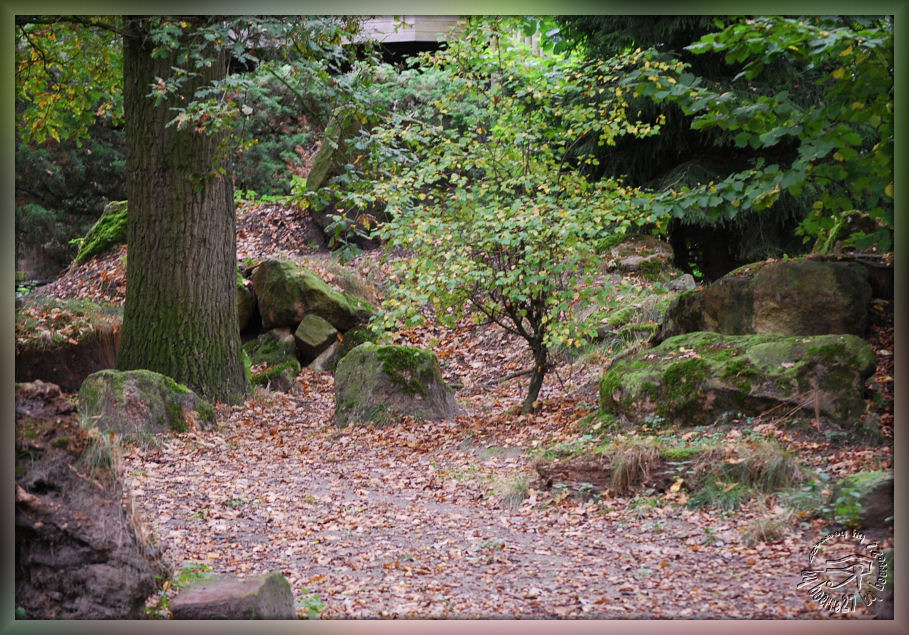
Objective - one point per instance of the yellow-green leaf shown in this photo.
(839, 73)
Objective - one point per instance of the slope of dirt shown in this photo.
(446, 519)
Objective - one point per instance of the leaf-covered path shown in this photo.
(447, 520)
(415, 521)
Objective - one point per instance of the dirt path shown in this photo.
(414, 521)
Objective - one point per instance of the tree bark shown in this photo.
(540, 366)
(180, 317)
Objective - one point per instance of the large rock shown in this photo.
(287, 292)
(335, 153)
(695, 378)
(377, 383)
(79, 553)
(794, 297)
(138, 403)
(264, 597)
(107, 232)
(88, 341)
(870, 494)
(329, 358)
(313, 336)
(272, 347)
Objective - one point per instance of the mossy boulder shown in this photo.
(378, 383)
(107, 232)
(272, 347)
(333, 154)
(793, 297)
(864, 499)
(313, 336)
(138, 403)
(287, 292)
(336, 152)
(695, 378)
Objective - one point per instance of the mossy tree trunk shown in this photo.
(180, 317)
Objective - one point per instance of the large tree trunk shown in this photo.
(180, 317)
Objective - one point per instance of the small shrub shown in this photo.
(310, 603)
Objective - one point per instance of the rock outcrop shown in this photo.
(79, 553)
(246, 302)
(108, 232)
(794, 297)
(378, 383)
(647, 255)
(313, 336)
(869, 495)
(695, 378)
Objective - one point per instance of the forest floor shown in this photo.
(447, 519)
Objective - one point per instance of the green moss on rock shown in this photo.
(392, 380)
(107, 232)
(286, 292)
(697, 377)
(407, 368)
(286, 370)
(140, 403)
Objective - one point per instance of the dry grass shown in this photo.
(768, 529)
(632, 463)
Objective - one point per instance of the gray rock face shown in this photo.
(377, 383)
(138, 403)
(273, 347)
(695, 378)
(795, 297)
(265, 597)
(77, 552)
(333, 153)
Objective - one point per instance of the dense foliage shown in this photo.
(487, 196)
(755, 103)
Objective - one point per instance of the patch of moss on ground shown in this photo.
(48, 322)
